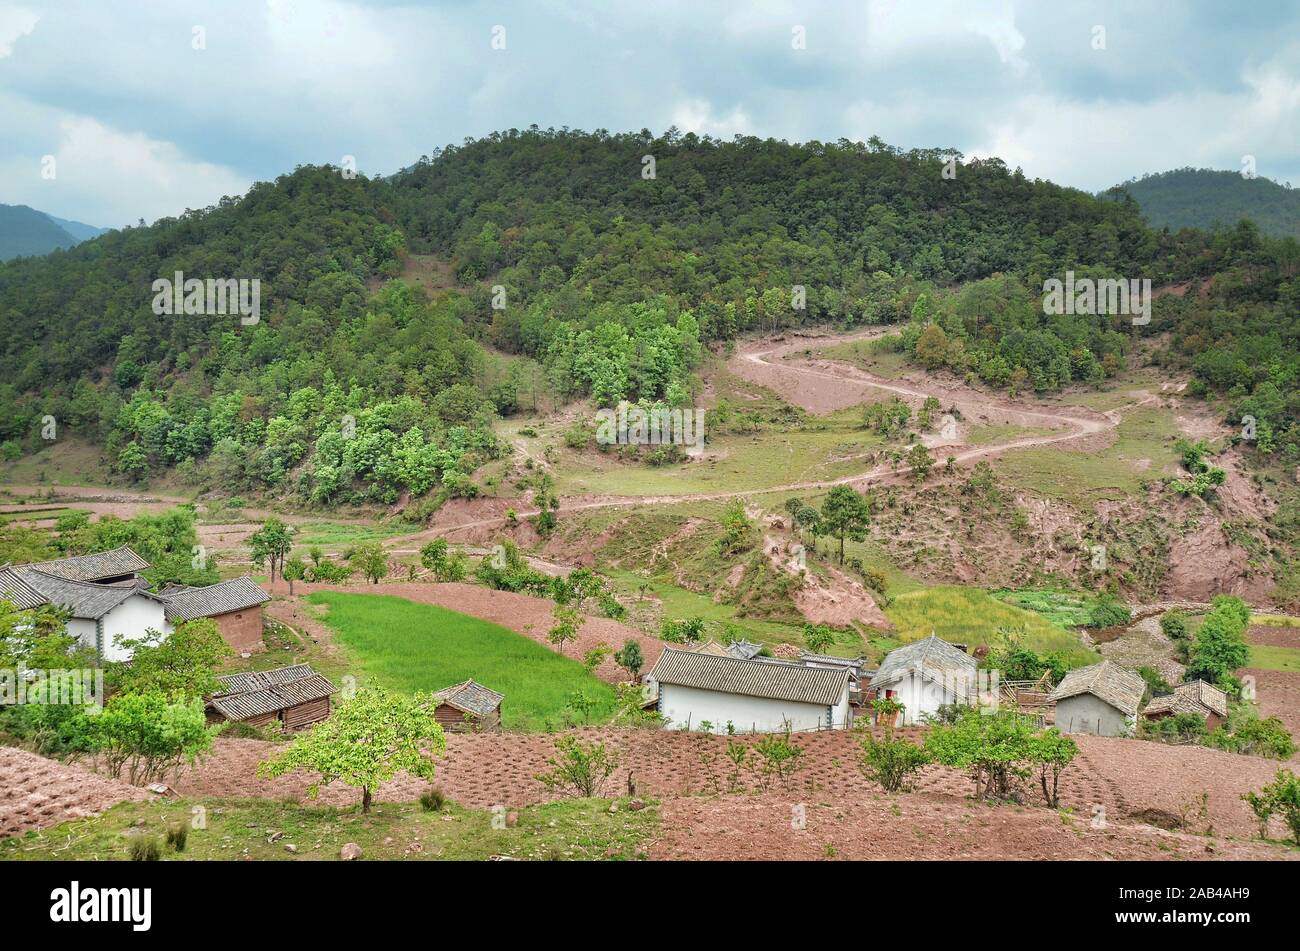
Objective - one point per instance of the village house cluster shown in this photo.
(734, 689)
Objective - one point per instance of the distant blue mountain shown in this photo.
(25, 231)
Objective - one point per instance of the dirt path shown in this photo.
(825, 386)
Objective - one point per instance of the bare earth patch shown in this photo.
(36, 793)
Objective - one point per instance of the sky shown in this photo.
(140, 109)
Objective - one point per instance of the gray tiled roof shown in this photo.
(220, 598)
(743, 649)
(470, 697)
(18, 592)
(751, 678)
(1194, 697)
(261, 692)
(103, 564)
(80, 599)
(1116, 685)
(930, 657)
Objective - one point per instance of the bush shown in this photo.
(1108, 611)
(1173, 624)
(178, 834)
(1255, 737)
(1178, 728)
(142, 847)
(578, 768)
(682, 630)
(1281, 796)
(432, 799)
(891, 762)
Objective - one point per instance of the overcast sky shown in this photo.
(143, 124)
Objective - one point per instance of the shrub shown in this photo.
(1219, 647)
(1281, 796)
(432, 799)
(778, 758)
(1173, 624)
(1255, 737)
(142, 847)
(1178, 728)
(1108, 611)
(682, 630)
(891, 762)
(578, 768)
(178, 834)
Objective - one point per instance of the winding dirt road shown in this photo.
(821, 386)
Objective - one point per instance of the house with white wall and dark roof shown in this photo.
(106, 598)
(748, 695)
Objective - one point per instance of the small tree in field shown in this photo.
(578, 768)
(1049, 754)
(372, 560)
(367, 741)
(295, 569)
(630, 658)
(270, 544)
(1281, 796)
(567, 623)
(891, 761)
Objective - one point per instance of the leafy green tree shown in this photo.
(629, 657)
(295, 569)
(270, 544)
(1219, 647)
(1281, 796)
(578, 768)
(995, 747)
(180, 665)
(148, 736)
(567, 623)
(818, 637)
(1049, 753)
(366, 741)
(372, 561)
(845, 514)
(920, 461)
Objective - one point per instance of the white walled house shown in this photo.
(102, 593)
(926, 675)
(749, 695)
(98, 613)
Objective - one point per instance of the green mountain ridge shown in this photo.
(565, 251)
(25, 232)
(1203, 198)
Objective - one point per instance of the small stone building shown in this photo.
(296, 697)
(468, 707)
(235, 606)
(1203, 699)
(1102, 700)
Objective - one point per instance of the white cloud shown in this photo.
(15, 23)
(696, 115)
(95, 165)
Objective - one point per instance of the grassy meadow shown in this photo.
(405, 646)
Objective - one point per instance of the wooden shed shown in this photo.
(295, 697)
(468, 707)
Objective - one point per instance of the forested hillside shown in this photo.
(1203, 198)
(26, 231)
(567, 252)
